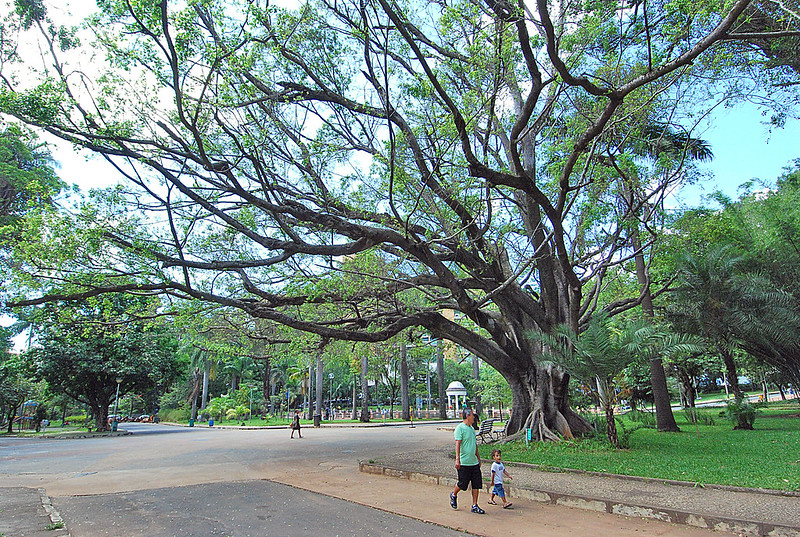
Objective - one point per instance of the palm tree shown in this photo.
(600, 353)
(708, 300)
(734, 309)
(237, 367)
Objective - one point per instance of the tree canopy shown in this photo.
(84, 348)
(486, 158)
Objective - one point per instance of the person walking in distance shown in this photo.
(498, 471)
(468, 461)
(296, 424)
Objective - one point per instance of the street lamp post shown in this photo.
(330, 395)
(116, 406)
(428, 367)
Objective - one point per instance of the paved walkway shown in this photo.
(108, 471)
(733, 509)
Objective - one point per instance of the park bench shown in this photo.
(499, 431)
(486, 430)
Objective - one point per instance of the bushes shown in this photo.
(697, 418)
(646, 419)
(742, 414)
(175, 415)
(237, 413)
(597, 421)
(641, 419)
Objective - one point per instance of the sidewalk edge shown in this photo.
(52, 512)
(640, 510)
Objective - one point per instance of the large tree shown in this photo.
(445, 150)
(83, 349)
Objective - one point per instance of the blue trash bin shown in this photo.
(211, 422)
(191, 422)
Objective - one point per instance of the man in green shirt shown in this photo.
(468, 461)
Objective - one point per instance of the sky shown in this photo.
(744, 149)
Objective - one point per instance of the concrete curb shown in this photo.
(741, 526)
(74, 435)
(55, 516)
(692, 484)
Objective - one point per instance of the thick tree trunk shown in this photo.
(540, 403)
(355, 398)
(733, 376)
(206, 375)
(234, 382)
(196, 384)
(611, 425)
(404, 399)
(101, 416)
(12, 412)
(665, 419)
(688, 394)
(267, 388)
(319, 386)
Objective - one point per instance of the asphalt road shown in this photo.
(166, 480)
(241, 509)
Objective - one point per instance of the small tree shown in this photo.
(600, 353)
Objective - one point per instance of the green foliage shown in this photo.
(27, 179)
(598, 422)
(625, 430)
(599, 354)
(175, 415)
(218, 407)
(646, 419)
(742, 414)
(695, 417)
(717, 455)
(84, 348)
(236, 413)
(315, 173)
(30, 12)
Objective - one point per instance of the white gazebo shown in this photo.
(454, 391)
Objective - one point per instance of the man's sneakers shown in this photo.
(454, 505)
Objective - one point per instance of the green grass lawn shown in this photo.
(768, 457)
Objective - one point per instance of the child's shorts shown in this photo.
(499, 490)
